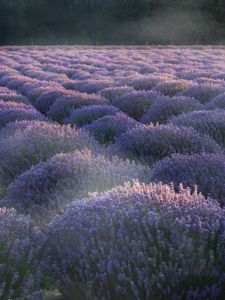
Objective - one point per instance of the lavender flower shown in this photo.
(88, 114)
(36, 143)
(114, 92)
(8, 95)
(206, 171)
(64, 105)
(12, 111)
(203, 92)
(69, 176)
(172, 88)
(211, 122)
(151, 143)
(147, 82)
(139, 242)
(14, 128)
(89, 86)
(20, 264)
(45, 100)
(135, 104)
(165, 107)
(217, 102)
(107, 128)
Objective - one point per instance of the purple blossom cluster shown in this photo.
(148, 82)
(46, 99)
(206, 171)
(135, 104)
(165, 107)
(9, 95)
(88, 114)
(217, 102)
(13, 111)
(69, 176)
(172, 87)
(139, 242)
(107, 128)
(38, 142)
(207, 122)
(149, 144)
(21, 272)
(114, 92)
(203, 92)
(14, 128)
(62, 107)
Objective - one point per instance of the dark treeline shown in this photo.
(112, 21)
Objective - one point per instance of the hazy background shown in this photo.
(112, 22)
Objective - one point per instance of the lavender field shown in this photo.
(112, 173)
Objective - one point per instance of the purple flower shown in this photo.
(89, 86)
(107, 128)
(151, 143)
(45, 100)
(114, 92)
(13, 111)
(36, 143)
(135, 104)
(211, 122)
(88, 114)
(64, 105)
(206, 171)
(148, 82)
(137, 242)
(8, 95)
(165, 107)
(20, 260)
(172, 88)
(217, 102)
(203, 92)
(69, 176)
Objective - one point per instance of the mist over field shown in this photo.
(112, 22)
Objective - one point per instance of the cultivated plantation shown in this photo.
(112, 173)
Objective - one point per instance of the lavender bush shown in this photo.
(139, 242)
(207, 171)
(14, 128)
(36, 143)
(172, 88)
(107, 128)
(13, 113)
(45, 100)
(211, 122)
(165, 107)
(13, 96)
(88, 114)
(90, 85)
(217, 102)
(20, 268)
(147, 82)
(135, 104)
(114, 92)
(69, 176)
(149, 144)
(203, 92)
(94, 86)
(4, 105)
(63, 106)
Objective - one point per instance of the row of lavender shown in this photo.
(76, 122)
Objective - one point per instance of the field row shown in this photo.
(112, 173)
